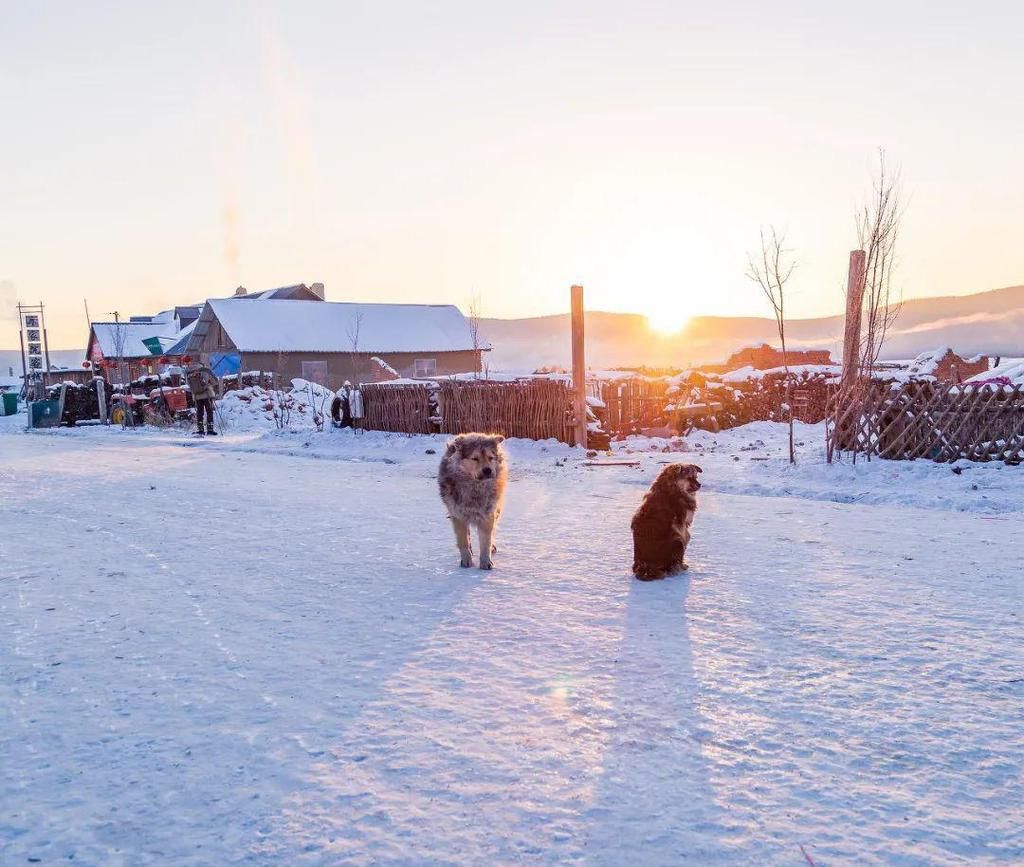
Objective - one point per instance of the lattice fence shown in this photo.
(940, 421)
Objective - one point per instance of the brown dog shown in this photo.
(661, 526)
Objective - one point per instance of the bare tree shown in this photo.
(878, 228)
(474, 333)
(771, 271)
(353, 330)
(119, 336)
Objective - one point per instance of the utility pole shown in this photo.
(46, 342)
(579, 366)
(854, 304)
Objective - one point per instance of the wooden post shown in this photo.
(854, 302)
(579, 367)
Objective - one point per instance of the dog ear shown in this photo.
(499, 439)
(453, 446)
(666, 479)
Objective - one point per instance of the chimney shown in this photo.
(318, 290)
(240, 292)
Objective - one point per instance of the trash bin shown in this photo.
(9, 403)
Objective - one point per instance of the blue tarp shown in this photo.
(225, 363)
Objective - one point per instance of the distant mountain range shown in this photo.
(989, 322)
(10, 359)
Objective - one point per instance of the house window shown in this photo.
(221, 342)
(315, 371)
(425, 367)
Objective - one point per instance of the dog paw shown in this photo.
(486, 564)
(466, 562)
(683, 567)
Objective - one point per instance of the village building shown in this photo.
(946, 366)
(765, 357)
(292, 332)
(123, 351)
(332, 342)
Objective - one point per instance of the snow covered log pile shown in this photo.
(249, 378)
(304, 406)
(80, 400)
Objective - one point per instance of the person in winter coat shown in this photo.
(203, 383)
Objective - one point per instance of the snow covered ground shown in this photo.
(260, 649)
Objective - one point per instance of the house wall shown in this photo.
(953, 368)
(341, 366)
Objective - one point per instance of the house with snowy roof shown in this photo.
(135, 348)
(331, 342)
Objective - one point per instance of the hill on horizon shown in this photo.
(990, 322)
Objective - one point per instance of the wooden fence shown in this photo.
(534, 409)
(398, 408)
(940, 421)
(632, 404)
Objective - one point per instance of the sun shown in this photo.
(667, 321)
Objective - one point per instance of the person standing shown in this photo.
(203, 383)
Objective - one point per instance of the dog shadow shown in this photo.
(655, 794)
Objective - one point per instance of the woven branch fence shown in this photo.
(398, 408)
(941, 421)
(533, 409)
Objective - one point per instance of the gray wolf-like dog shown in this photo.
(471, 480)
(661, 526)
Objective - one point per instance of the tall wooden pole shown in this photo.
(854, 302)
(579, 367)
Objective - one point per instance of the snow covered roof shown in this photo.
(745, 373)
(1012, 369)
(298, 326)
(124, 339)
(180, 345)
(928, 362)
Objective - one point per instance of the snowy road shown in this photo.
(214, 656)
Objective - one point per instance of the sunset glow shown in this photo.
(667, 322)
(594, 143)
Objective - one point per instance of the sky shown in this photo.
(159, 154)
